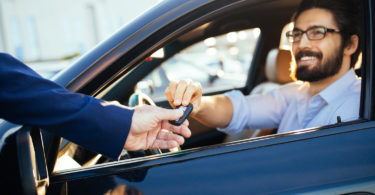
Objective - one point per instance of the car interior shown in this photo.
(268, 69)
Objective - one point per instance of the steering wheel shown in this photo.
(139, 98)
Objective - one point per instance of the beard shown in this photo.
(324, 69)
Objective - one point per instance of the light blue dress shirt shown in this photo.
(291, 106)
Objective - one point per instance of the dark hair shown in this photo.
(346, 15)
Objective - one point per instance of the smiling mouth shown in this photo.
(308, 58)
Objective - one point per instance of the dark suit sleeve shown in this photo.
(27, 98)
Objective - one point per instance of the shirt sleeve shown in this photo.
(241, 113)
(256, 111)
(27, 98)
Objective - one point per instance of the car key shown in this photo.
(187, 110)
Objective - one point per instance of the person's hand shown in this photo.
(150, 129)
(184, 92)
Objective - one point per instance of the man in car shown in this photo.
(325, 46)
(104, 127)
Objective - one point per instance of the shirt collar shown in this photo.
(339, 88)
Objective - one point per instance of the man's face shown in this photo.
(317, 59)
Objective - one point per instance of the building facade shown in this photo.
(49, 30)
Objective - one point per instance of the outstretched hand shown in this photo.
(150, 129)
(184, 92)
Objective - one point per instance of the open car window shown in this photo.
(218, 63)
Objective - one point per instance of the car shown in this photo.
(332, 159)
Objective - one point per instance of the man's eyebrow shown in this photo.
(295, 28)
(312, 26)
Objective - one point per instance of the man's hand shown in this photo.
(150, 129)
(212, 111)
(184, 92)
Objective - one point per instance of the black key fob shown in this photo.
(187, 110)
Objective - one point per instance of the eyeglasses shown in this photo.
(312, 33)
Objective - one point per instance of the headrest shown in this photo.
(278, 66)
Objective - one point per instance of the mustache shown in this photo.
(301, 54)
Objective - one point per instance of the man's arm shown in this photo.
(213, 111)
(27, 98)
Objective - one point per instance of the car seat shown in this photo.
(276, 69)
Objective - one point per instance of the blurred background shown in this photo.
(48, 35)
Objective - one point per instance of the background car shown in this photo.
(333, 159)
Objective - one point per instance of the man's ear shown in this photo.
(352, 46)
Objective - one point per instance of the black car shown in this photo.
(333, 159)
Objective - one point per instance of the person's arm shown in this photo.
(27, 98)
(213, 111)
